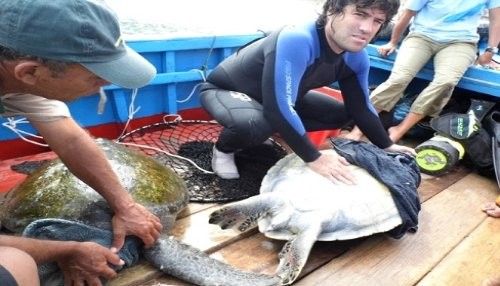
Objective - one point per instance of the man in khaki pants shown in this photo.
(445, 31)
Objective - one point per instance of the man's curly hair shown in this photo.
(336, 7)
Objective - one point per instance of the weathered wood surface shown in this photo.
(456, 243)
(445, 221)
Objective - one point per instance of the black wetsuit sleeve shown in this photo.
(355, 92)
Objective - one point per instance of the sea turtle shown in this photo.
(52, 203)
(300, 206)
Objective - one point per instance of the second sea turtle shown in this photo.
(300, 206)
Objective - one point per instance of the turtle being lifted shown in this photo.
(53, 204)
(300, 206)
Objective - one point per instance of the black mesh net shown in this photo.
(189, 144)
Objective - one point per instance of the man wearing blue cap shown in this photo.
(55, 51)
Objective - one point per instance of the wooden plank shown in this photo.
(431, 185)
(474, 259)
(193, 208)
(258, 253)
(254, 253)
(195, 230)
(445, 220)
(135, 275)
(192, 228)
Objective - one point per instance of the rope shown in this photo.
(131, 111)
(168, 154)
(12, 125)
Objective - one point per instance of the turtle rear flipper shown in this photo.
(195, 266)
(294, 254)
(242, 215)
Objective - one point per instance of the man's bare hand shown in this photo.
(401, 149)
(136, 220)
(86, 263)
(333, 167)
(387, 49)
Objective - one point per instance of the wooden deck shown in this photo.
(456, 243)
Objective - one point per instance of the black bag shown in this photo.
(467, 130)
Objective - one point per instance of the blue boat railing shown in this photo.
(181, 63)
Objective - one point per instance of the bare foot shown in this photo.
(395, 133)
(355, 135)
(495, 281)
(492, 210)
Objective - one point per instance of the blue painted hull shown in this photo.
(183, 63)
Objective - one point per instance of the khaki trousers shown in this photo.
(450, 60)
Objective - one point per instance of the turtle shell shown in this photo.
(54, 192)
(345, 211)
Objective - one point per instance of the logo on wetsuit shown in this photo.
(240, 96)
(288, 85)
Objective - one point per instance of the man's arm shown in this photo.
(397, 32)
(401, 25)
(80, 261)
(79, 152)
(485, 59)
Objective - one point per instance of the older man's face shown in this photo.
(74, 82)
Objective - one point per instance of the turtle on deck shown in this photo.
(300, 206)
(53, 204)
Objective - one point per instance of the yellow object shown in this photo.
(455, 144)
(437, 155)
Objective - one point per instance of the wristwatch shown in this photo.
(493, 50)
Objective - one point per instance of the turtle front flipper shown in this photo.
(195, 266)
(242, 215)
(294, 254)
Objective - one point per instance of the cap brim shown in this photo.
(129, 71)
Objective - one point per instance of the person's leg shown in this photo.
(397, 132)
(244, 126)
(451, 61)
(17, 265)
(414, 53)
(319, 111)
(322, 112)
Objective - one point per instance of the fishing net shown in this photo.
(186, 147)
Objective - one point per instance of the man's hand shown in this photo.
(334, 168)
(387, 49)
(86, 263)
(135, 220)
(486, 60)
(401, 149)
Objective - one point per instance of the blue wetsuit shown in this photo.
(266, 87)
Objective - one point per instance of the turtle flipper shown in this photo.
(242, 215)
(294, 254)
(195, 266)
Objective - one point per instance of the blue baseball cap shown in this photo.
(80, 31)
